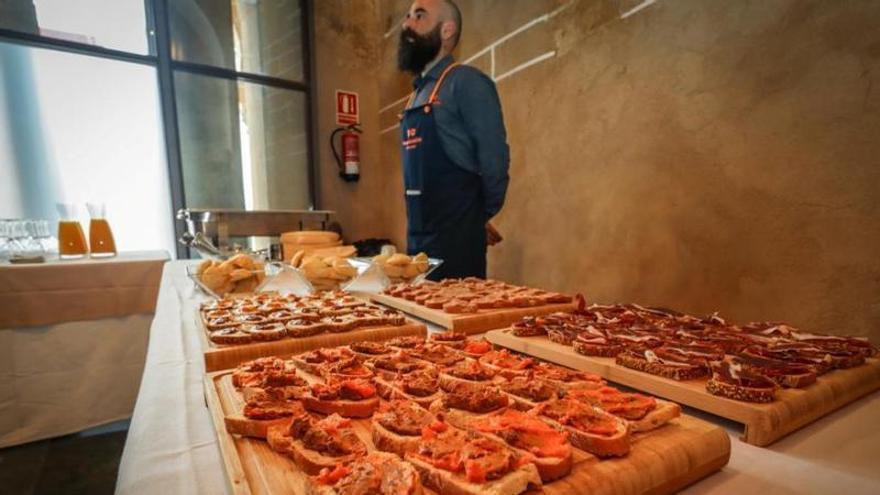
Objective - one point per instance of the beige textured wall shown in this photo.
(698, 155)
(347, 36)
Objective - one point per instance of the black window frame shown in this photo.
(158, 33)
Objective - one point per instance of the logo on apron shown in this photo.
(412, 141)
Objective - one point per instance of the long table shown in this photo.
(171, 447)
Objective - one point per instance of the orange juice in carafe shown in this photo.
(100, 236)
(71, 240)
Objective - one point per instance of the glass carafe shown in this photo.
(100, 236)
(71, 239)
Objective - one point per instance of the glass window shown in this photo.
(243, 35)
(67, 135)
(116, 24)
(243, 145)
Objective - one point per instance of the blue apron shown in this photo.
(445, 209)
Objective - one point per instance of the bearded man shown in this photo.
(454, 145)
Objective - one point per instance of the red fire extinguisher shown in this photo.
(350, 160)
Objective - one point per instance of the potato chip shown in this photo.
(240, 274)
(246, 285)
(411, 270)
(241, 260)
(297, 258)
(203, 266)
(394, 271)
(226, 288)
(399, 260)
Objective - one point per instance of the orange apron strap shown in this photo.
(436, 90)
(409, 102)
(411, 99)
(433, 97)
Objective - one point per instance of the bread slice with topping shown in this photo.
(265, 408)
(397, 426)
(589, 428)
(526, 392)
(316, 444)
(532, 437)
(468, 372)
(375, 473)
(348, 398)
(641, 412)
(730, 380)
(421, 387)
(648, 362)
(453, 462)
(464, 403)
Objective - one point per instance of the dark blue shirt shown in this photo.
(470, 125)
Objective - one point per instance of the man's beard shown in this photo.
(415, 51)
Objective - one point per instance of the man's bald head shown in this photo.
(431, 30)
(426, 15)
(453, 13)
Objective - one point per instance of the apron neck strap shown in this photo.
(436, 90)
(412, 98)
(433, 98)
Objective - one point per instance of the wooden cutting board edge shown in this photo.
(469, 323)
(224, 357)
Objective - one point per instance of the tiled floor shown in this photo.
(83, 463)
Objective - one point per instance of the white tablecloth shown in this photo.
(171, 447)
(73, 339)
(64, 378)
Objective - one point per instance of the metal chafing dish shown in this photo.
(210, 231)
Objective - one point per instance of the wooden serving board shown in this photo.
(470, 323)
(764, 423)
(221, 357)
(662, 461)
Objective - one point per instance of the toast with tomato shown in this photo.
(456, 340)
(565, 378)
(590, 428)
(421, 387)
(266, 372)
(265, 408)
(454, 462)
(313, 361)
(345, 397)
(476, 348)
(397, 426)
(377, 473)
(317, 444)
(643, 413)
(527, 392)
(397, 363)
(437, 354)
(506, 363)
(468, 372)
(533, 438)
(462, 404)
(345, 368)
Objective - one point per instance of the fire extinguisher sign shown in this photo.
(347, 108)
